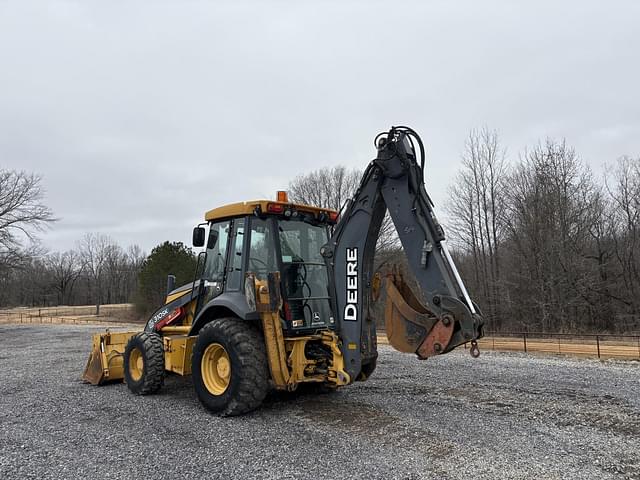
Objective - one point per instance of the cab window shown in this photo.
(262, 254)
(214, 268)
(234, 279)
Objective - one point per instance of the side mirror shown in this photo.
(198, 236)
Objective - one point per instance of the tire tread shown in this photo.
(153, 375)
(248, 342)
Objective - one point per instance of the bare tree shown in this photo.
(542, 244)
(550, 203)
(477, 208)
(623, 187)
(326, 187)
(65, 268)
(135, 258)
(94, 250)
(331, 188)
(22, 212)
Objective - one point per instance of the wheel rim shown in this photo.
(216, 369)
(136, 364)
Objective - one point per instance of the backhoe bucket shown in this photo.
(105, 363)
(410, 326)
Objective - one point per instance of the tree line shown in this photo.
(543, 243)
(97, 271)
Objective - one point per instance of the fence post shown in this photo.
(494, 343)
(598, 344)
(639, 347)
(559, 351)
(524, 338)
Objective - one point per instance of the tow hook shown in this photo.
(474, 351)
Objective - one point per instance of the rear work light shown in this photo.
(282, 196)
(275, 208)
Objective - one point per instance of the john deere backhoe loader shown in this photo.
(283, 292)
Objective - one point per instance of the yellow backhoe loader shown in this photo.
(283, 292)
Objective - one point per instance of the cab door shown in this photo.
(223, 272)
(215, 266)
(235, 260)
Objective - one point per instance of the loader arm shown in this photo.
(446, 317)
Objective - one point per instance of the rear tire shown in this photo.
(144, 363)
(229, 367)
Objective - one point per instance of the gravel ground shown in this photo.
(501, 416)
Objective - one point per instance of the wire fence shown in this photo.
(596, 345)
(70, 314)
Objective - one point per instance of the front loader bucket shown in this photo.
(105, 363)
(410, 326)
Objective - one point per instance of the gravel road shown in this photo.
(501, 416)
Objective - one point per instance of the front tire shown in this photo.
(229, 367)
(144, 363)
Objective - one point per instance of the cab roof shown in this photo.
(266, 207)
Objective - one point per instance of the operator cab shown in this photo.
(263, 237)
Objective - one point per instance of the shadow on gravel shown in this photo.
(330, 409)
(336, 413)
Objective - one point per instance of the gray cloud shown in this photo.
(143, 115)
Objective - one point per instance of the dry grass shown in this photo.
(82, 314)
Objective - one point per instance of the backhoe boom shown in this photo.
(394, 182)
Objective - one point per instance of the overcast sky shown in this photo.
(143, 115)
